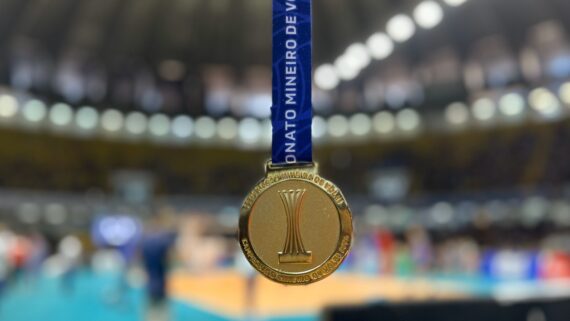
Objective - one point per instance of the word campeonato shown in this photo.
(291, 76)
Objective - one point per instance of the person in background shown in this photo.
(38, 254)
(403, 263)
(70, 250)
(3, 276)
(385, 244)
(18, 255)
(420, 248)
(158, 237)
(117, 239)
(250, 277)
(5, 240)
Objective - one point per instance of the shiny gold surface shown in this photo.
(293, 248)
(295, 226)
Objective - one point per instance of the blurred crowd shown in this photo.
(123, 244)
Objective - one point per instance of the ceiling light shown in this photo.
(484, 109)
(455, 3)
(8, 106)
(544, 101)
(326, 77)
(428, 14)
(383, 122)
(319, 127)
(228, 128)
(360, 124)
(457, 113)
(359, 54)
(34, 111)
(511, 104)
(346, 68)
(408, 119)
(338, 126)
(136, 123)
(249, 130)
(380, 45)
(61, 114)
(112, 120)
(400, 28)
(159, 125)
(86, 118)
(182, 126)
(205, 127)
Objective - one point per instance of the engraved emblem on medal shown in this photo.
(295, 227)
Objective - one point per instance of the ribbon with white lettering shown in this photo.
(291, 113)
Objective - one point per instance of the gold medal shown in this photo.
(295, 226)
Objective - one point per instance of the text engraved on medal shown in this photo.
(330, 188)
(319, 273)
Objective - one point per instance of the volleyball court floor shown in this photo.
(218, 296)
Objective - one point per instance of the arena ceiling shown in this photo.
(236, 33)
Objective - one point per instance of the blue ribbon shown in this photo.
(291, 113)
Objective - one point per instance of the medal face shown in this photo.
(295, 226)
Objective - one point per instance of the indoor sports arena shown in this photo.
(133, 134)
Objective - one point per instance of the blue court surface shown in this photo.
(87, 297)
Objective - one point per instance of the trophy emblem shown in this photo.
(293, 251)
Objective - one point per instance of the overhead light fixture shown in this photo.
(159, 125)
(60, 114)
(182, 126)
(401, 28)
(338, 126)
(408, 120)
(34, 111)
(249, 130)
(428, 14)
(457, 113)
(359, 54)
(326, 77)
(86, 118)
(383, 122)
(360, 124)
(544, 101)
(228, 128)
(136, 123)
(8, 106)
(484, 109)
(380, 45)
(112, 120)
(346, 68)
(205, 127)
(512, 104)
(455, 3)
(319, 127)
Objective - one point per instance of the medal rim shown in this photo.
(344, 242)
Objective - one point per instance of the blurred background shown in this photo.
(130, 131)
